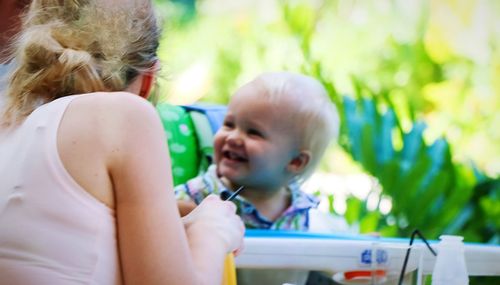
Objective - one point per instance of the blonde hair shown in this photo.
(312, 112)
(79, 46)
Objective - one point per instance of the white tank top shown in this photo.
(51, 230)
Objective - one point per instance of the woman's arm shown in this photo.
(154, 247)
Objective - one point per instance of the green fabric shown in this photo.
(182, 142)
(205, 138)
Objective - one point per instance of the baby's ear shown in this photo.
(299, 162)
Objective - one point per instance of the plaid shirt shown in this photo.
(295, 217)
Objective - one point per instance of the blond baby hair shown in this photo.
(312, 111)
(71, 47)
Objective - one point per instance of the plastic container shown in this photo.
(450, 265)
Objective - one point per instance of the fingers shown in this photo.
(237, 251)
(221, 221)
(229, 206)
(211, 197)
(185, 207)
(241, 246)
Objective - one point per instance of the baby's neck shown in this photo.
(270, 204)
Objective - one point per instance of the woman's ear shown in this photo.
(148, 79)
(299, 162)
(146, 85)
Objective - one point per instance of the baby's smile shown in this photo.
(234, 156)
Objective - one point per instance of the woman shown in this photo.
(86, 189)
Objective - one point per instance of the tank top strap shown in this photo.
(49, 117)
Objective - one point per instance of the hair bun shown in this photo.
(71, 59)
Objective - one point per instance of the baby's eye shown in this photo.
(228, 124)
(254, 132)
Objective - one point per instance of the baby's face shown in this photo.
(256, 142)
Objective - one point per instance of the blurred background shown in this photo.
(417, 84)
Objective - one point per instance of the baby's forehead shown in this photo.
(267, 108)
(263, 111)
(255, 92)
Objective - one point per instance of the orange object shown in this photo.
(350, 275)
(229, 274)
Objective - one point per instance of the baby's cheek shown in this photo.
(218, 143)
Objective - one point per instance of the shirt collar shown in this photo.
(300, 199)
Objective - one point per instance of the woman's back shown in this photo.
(69, 159)
(53, 231)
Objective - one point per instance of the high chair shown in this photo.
(190, 131)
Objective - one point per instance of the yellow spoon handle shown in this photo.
(229, 274)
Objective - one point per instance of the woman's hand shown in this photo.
(185, 207)
(216, 220)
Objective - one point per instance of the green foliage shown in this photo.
(226, 73)
(301, 20)
(419, 106)
(428, 189)
(413, 115)
(483, 206)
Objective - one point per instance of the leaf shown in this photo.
(353, 211)
(369, 223)
(384, 147)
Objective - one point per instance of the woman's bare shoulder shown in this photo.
(100, 131)
(113, 103)
(111, 118)
(113, 111)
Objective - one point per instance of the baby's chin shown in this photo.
(229, 173)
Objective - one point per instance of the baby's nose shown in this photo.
(235, 138)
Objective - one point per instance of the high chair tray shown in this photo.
(343, 252)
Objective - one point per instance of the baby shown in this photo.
(274, 134)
